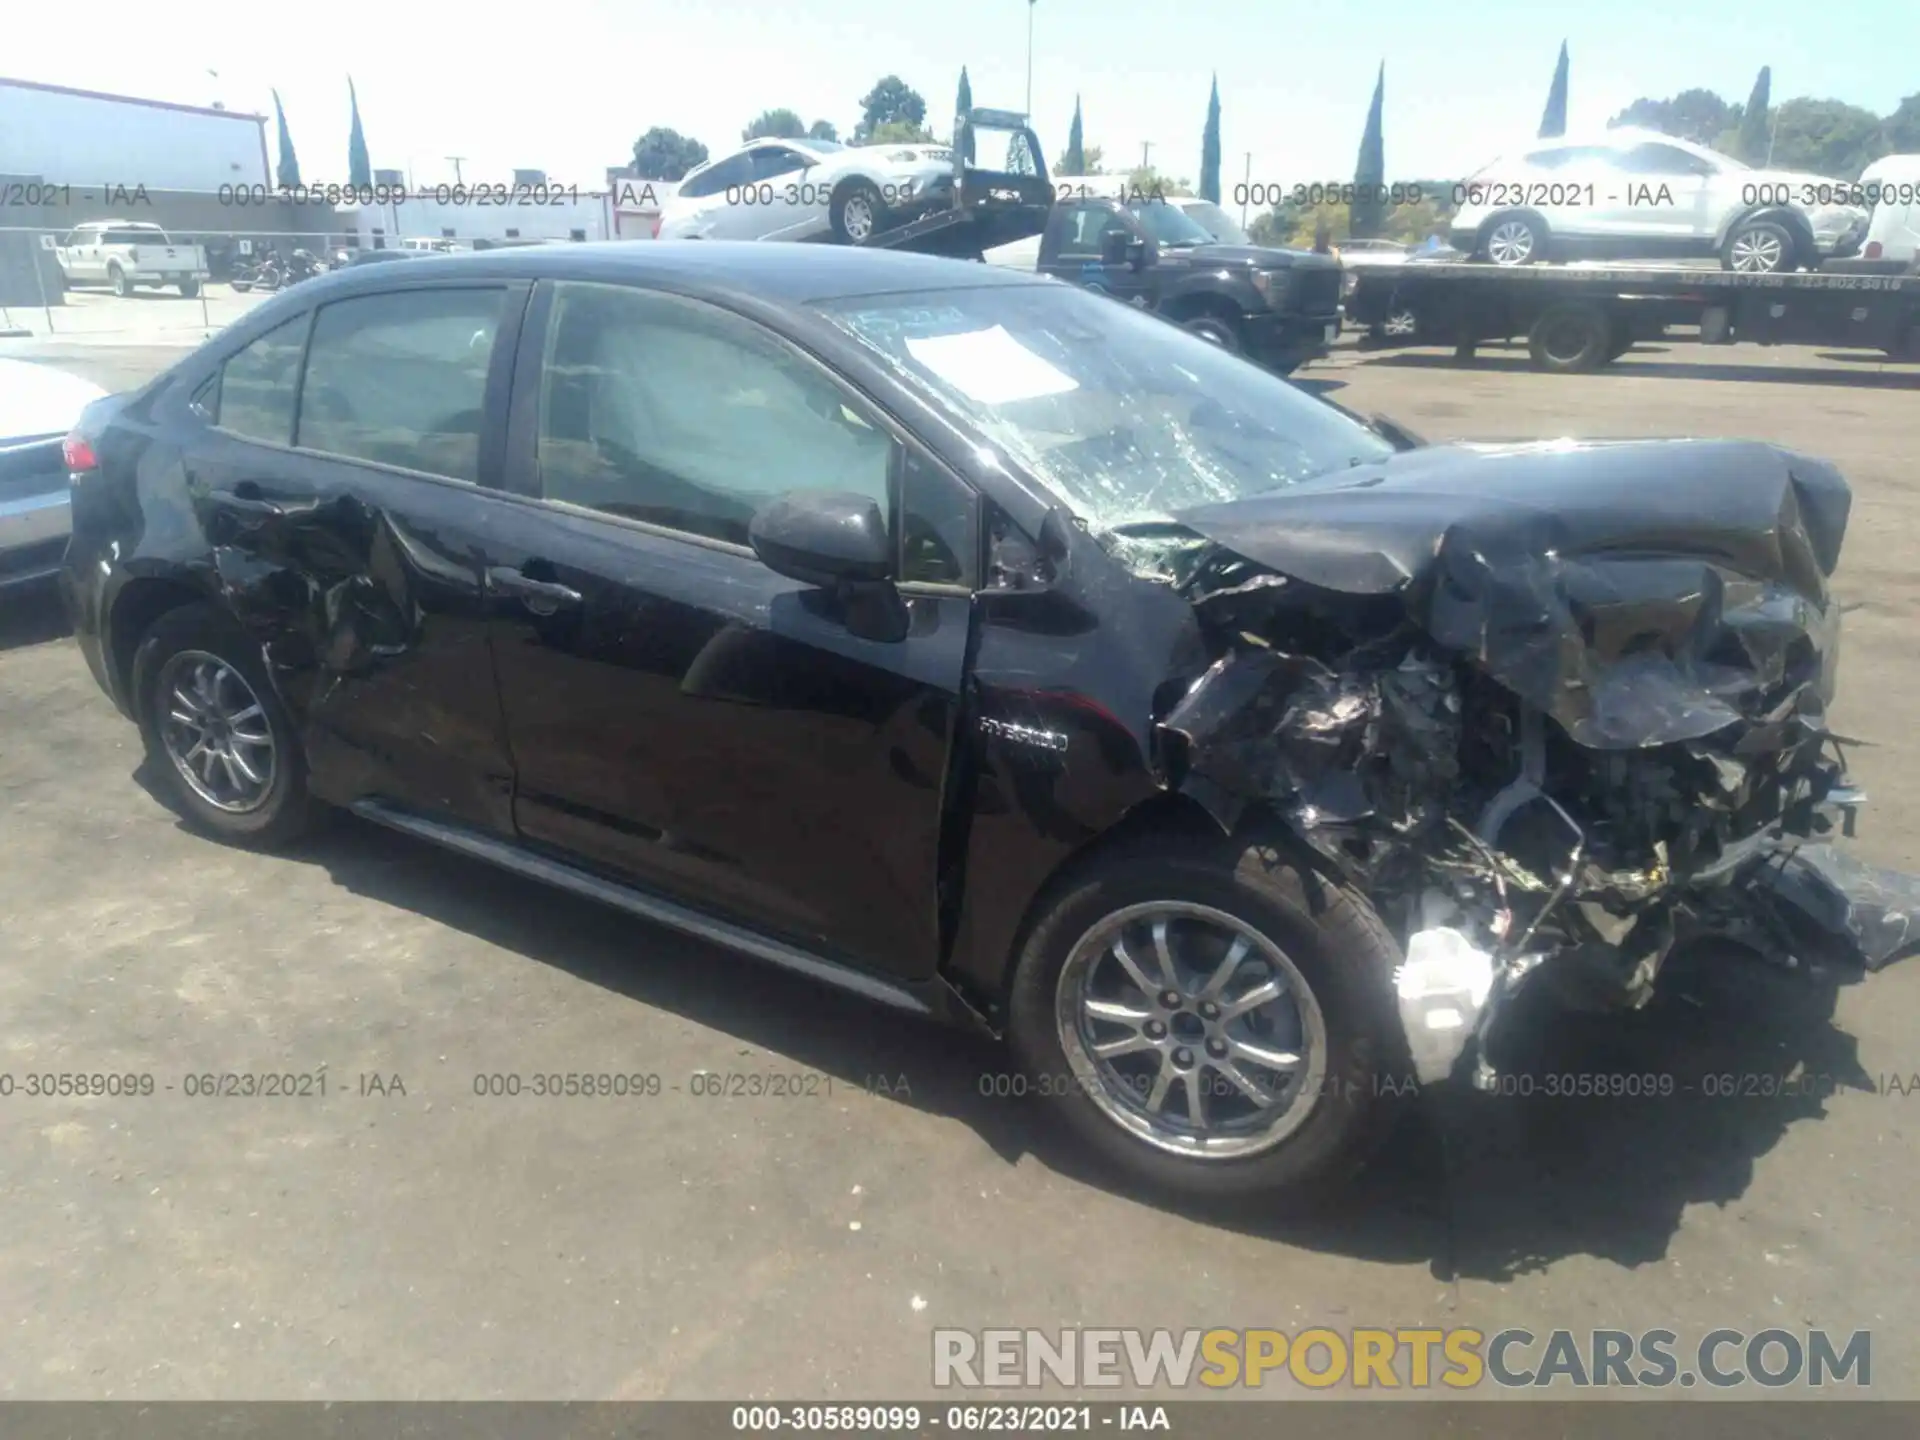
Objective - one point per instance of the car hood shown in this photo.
(38, 400)
(1641, 592)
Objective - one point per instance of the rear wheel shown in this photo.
(189, 288)
(1211, 1019)
(215, 732)
(121, 281)
(1759, 247)
(1513, 240)
(1571, 337)
(855, 211)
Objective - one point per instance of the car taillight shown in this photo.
(656, 227)
(77, 451)
(1872, 251)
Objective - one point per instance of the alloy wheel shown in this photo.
(1757, 252)
(1191, 1030)
(1401, 322)
(1511, 243)
(857, 216)
(215, 731)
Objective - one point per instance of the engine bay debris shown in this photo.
(1549, 707)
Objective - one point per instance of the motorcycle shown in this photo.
(272, 273)
(266, 273)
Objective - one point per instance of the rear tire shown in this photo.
(122, 285)
(1760, 247)
(1571, 337)
(1334, 1107)
(1516, 238)
(189, 288)
(198, 676)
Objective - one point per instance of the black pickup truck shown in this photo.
(1280, 308)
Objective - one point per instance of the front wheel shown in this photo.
(216, 735)
(855, 212)
(1213, 1019)
(122, 282)
(1215, 331)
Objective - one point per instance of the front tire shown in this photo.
(122, 284)
(855, 212)
(218, 739)
(1213, 1019)
(1215, 331)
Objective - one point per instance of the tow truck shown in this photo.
(1581, 317)
(982, 207)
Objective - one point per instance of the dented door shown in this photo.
(364, 576)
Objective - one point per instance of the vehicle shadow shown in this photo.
(31, 614)
(1904, 378)
(1479, 1186)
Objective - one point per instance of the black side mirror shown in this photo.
(840, 543)
(1137, 253)
(1114, 247)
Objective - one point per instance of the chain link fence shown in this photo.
(121, 283)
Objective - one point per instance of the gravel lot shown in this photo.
(435, 1244)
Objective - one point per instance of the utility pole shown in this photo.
(1146, 149)
(456, 159)
(1030, 5)
(1246, 185)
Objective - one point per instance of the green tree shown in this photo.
(895, 132)
(1093, 157)
(1751, 146)
(359, 167)
(1902, 128)
(1210, 148)
(1827, 137)
(663, 154)
(775, 124)
(1370, 170)
(891, 102)
(963, 101)
(1697, 115)
(1074, 160)
(822, 130)
(287, 172)
(1146, 181)
(1553, 120)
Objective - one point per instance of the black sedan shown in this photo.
(992, 650)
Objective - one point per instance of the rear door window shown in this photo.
(401, 378)
(255, 393)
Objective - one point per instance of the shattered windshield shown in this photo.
(1125, 417)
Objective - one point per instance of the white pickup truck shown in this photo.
(126, 254)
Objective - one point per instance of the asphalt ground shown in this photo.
(402, 1237)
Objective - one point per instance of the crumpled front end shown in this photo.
(1553, 710)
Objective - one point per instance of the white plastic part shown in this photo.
(1442, 988)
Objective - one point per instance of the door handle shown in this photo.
(542, 596)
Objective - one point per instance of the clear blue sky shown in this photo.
(567, 85)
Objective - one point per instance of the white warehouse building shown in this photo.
(87, 139)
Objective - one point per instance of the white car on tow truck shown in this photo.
(127, 254)
(1638, 194)
(808, 189)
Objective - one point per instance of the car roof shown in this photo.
(780, 270)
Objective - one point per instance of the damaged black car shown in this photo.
(997, 652)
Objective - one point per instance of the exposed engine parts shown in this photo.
(1549, 728)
